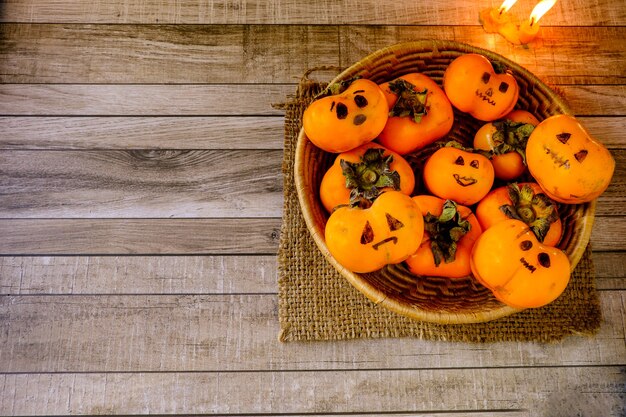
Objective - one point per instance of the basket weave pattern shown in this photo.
(433, 299)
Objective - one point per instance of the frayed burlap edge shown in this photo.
(317, 303)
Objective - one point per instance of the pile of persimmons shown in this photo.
(506, 236)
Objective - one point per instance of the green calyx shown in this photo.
(410, 103)
(536, 210)
(445, 231)
(366, 178)
(511, 136)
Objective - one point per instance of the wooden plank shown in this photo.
(550, 58)
(234, 333)
(141, 184)
(211, 132)
(163, 53)
(140, 237)
(138, 275)
(142, 100)
(459, 12)
(33, 275)
(184, 236)
(219, 100)
(167, 184)
(57, 184)
(183, 54)
(596, 391)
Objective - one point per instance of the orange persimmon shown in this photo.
(419, 113)
(526, 202)
(506, 140)
(475, 86)
(365, 172)
(459, 175)
(346, 120)
(450, 231)
(570, 166)
(521, 272)
(366, 239)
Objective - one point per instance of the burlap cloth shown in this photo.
(317, 303)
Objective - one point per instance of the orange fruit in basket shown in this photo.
(346, 120)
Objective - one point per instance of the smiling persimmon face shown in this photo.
(455, 174)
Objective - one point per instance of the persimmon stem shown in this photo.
(365, 179)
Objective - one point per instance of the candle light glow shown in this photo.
(497, 20)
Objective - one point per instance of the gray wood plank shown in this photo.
(142, 100)
(234, 274)
(168, 184)
(184, 54)
(553, 391)
(550, 58)
(195, 132)
(163, 54)
(459, 12)
(151, 333)
(219, 99)
(138, 275)
(184, 236)
(141, 184)
(140, 236)
(200, 132)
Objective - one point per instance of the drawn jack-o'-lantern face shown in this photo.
(365, 240)
(508, 259)
(569, 165)
(344, 121)
(475, 87)
(458, 175)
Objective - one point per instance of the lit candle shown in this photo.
(498, 15)
(529, 29)
(493, 19)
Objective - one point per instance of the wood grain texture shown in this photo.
(461, 12)
(141, 184)
(183, 54)
(139, 275)
(233, 274)
(220, 100)
(149, 333)
(184, 236)
(201, 132)
(142, 100)
(596, 391)
(549, 57)
(163, 54)
(167, 184)
(140, 236)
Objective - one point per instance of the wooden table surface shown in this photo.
(141, 199)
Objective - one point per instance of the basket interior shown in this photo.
(433, 298)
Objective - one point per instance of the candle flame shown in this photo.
(540, 9)
(506, 5)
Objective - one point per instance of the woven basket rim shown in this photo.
(376, 295)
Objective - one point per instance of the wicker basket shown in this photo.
(432, 299)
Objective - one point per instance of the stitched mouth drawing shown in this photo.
(486, 97)
(464, 181)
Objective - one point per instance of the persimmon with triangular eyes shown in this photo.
(366, 239)
(570, 166)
